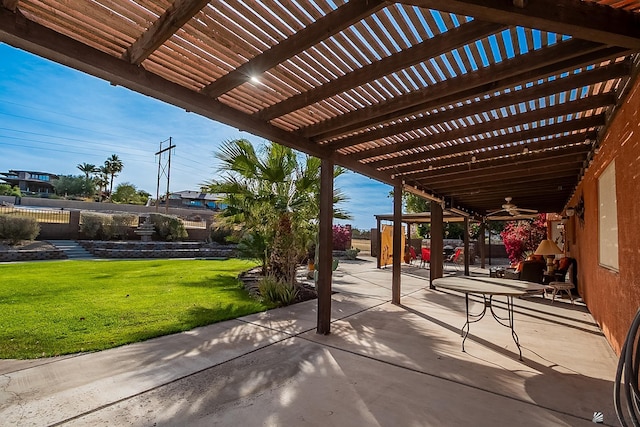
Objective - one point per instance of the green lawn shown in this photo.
(61, 307)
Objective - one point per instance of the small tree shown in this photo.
(522, 237)
(341, 238)
(8, 190)
(70, 185)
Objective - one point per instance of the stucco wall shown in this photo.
(613, 297)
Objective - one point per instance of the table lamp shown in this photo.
(549, 249)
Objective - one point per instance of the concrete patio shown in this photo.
(382, 365)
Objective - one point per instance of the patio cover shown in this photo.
(465, 102)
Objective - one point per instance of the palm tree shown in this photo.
(113, 166)
(102, 180)
(271, 193)
(87, 169)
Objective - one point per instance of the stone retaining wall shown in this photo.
(31, 255)
(108, 249)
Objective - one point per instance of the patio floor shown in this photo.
(382, 365)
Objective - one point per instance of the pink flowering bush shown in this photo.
(522, 237)
(341, 237)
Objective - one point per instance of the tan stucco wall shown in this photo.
(613, 297)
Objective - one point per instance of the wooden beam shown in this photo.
(538, 91)
(403, 151)
(487, 158)
(325, 247)
(518, 67)
(22, 33)
(581, 19)
(397, 244)
(503, 173)
(437, 245)
(481, 186)
(178, 14)
(421, 52)
(482, 248)
(536, 159)
(467, 255)
(470, 156)
(12, 5)
(332, 23)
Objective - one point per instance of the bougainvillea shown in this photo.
(341, 237)
(523, 237)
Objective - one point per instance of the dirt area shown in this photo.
(26, 245)
(363, 245)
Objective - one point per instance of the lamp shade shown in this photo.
(547, 247)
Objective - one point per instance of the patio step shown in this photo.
(72, 249)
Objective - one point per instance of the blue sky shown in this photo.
(53, 117)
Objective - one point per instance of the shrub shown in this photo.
(168, 227)
(277, 293)
(16, 229)
(221, 234)
(119, 225)
(341, 237)
(94, 225)
(352, 253)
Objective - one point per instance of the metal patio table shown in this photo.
(487, 288)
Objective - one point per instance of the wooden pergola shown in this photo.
(463, 102)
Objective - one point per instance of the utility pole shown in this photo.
(164, 170)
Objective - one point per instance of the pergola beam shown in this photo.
(332, 23)
(403, 153)
(430, 48)
(577, 152)
(498, 75)
(489, 156)
(12, 5)
(178, 14)
(498, 173)
(20, 32)
(580, 19)
(582, 79)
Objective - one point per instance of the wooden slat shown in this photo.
(582, 19)
(481, 158)
(159, 32)
(531, 117)
(404, 59)
(332, 23)
(531, 160)
(379, 113)
(505, 99)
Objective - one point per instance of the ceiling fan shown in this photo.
(512, 209)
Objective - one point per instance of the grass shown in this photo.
(62, 307)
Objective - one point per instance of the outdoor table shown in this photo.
(488, 287)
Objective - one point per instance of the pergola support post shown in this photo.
(325, 247)
(467, 255)
(378, 244)
(481, 246)
(436, 265)
(397, 244)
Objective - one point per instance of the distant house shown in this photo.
(195, 199)
(30, 182)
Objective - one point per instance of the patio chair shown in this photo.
(425, 256)
(566, 286)
(457, 259)
(412, 255)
